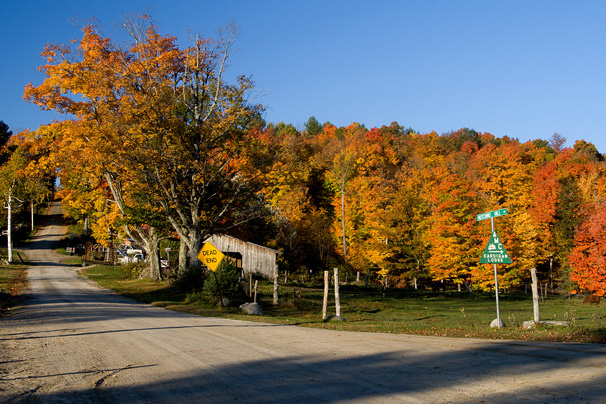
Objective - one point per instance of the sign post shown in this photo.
(494, 253)
(210, 256)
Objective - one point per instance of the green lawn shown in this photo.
(453, 314)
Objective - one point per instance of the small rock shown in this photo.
(252, 309)
(495, 323)
(225, 301)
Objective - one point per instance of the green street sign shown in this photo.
(494, 213)
(495, 252)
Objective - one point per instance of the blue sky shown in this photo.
(523, 69)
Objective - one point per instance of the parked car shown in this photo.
(130, 259)
(130, 250)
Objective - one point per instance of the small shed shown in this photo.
(256, 259)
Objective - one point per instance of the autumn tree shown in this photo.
(557, 142)
(581, 185)
(588, 257)
(285, 187)
(342, 151)
(17, 185)
(160, 125)
(293, 185)
(504, 177)
(370, 200)
(453, 234)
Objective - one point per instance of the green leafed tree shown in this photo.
(17, 187)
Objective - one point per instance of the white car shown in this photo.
(130, 250)
(130, 259)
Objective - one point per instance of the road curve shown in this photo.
(72, 342)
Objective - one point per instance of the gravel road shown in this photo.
(72, 342)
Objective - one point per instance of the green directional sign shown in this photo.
(495, 252)
(494, 213)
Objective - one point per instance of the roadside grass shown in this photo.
(12, 282)
(401, 311)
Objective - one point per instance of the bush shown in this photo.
(133, 270)
(227, 276)
(194, 297)
(192, 279)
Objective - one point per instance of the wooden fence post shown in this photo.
(325, 301)
(337, 297)
(276, 300)
(535, 295)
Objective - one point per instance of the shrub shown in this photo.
(227, 276)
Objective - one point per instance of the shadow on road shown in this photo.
(378, 377)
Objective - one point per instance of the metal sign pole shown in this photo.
(210, 256)
(496, 282)
(219, 289)
(494, 253)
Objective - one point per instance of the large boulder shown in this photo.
(252, 309)
(531, 323)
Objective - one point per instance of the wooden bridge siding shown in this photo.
(255, 258)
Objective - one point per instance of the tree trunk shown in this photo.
(325, 300)
(276, 286)
(194, 240)
(343, 220)
(150, 242)
(9, 230)
(337, 295)
(31, 206)
(182, 258)
(551, 273)
(192, 257)
(148, 238)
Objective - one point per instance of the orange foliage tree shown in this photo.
(161, 127)
(588, 257)
(453, 234)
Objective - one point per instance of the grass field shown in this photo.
(452, 314)
(12, 281)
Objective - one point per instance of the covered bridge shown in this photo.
(256, 259)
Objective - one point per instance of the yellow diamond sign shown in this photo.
(210, 256)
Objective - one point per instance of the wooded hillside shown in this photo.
(156, 144)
